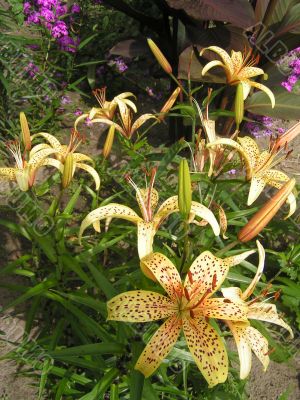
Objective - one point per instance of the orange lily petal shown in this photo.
(207, 349)
(165, 273)
(159, 346)
(139, 306)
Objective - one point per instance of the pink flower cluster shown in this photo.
(50, 14)
(294, 66)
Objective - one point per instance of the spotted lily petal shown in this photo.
(91, 171)
(250, 72)
(233, 293)
(265, 89)
(212, 64)
(223, 309)
(50, 138)
(207, 349)
(139, 306)
(38, 148)
(38, 158)
(171, 205)
(259, 345)
(112, 210)
(159, 346)
(145, 234)
(246, 89)
(239, 148)
(224, 56)
(256, 187)
(82, 157)
(261, 255)
(53, 163)
(8, 174)
(140, 121)
(268, 313)
(165, 273)
(250, 148)
(238, 330)
(238, 258)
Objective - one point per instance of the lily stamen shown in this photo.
(15, 149)
(151, 184)
(140, 197)
(100, 95)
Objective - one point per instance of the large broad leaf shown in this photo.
(238, 12)
(277, 11)
(131, 48)
(287, 104)
(291, 22)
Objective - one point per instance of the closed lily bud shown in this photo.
(25, 131)
(169, 103)
(266, 213)
(68, 171)
(184, 189)
(163, 62)
(239, 105)
(109, 141)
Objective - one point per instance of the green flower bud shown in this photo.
(68, 170)
(184, 189)
(239, 105)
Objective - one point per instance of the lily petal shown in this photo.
(112, 210)
(77, 157)
(140, 121)
(265, 89)
(223, 309)
(171, 205)
(139, 306)
(39, 157)
(207, 349)
(159, 346)
(239, 148)
(238, 330)
(91, 171)
(37, 148)
(261, 254)
(259, 345)
(212, 64)
(50, 138)
(130, 104)
(250, 72)
(223, 54)
(256, 187)
(207, 272)
(233, 293)
(250, 148)
(8, 174)
(145, 234)
(238, 258)
(268, 313)
(246, 89)
(53, 162)
(165, 273)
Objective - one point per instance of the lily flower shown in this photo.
(149, 223)
(107, 108)
(188, 306)
(62, 151)
(239, 68)
(246, 337)
(24, 172)
(259, 168)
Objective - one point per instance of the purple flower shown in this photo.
(59, 29)
(292, 79)
(68, 44)
(47, 14)
(280, 130)
(75, 8)
(78, 112)
(287, 86)
(61, 10)
(88, 122)
(26, 7)
(33, 18)
(31, 69)
(232, 172)
(65, 100)
(120, 64)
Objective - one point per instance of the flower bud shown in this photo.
(163, 62)
(239, 105)
(266, 213)
(169, 103)
(109, 141)
(25, 131)
(68, 170)
(184, 189)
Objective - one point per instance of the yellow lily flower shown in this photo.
(239, 68)
(62, 151)
(246, 337)
(259, 168)
(24, 172)
(149, 223)
(188, 306)
(107, 108)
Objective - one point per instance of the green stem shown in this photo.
(186, 246)
(226, 248)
